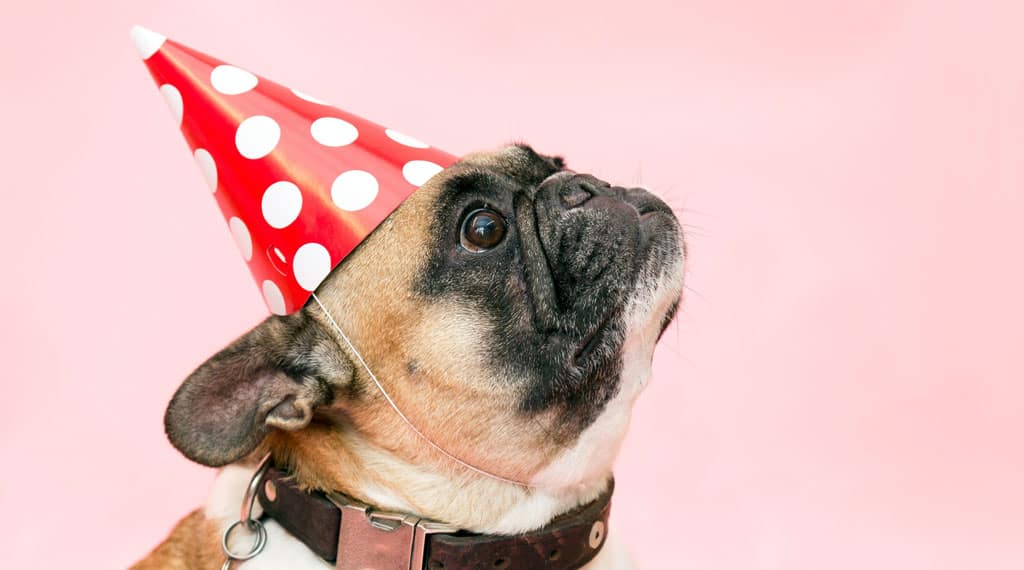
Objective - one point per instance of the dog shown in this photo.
(509, 309)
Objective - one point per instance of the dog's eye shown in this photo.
(482, 229)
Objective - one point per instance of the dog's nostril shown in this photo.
(576, 193)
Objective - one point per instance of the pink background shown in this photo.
(844, 389)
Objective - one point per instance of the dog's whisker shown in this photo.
(699, 295)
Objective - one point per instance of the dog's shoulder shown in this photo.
(192, 545)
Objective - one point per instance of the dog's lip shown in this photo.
(591, 340)
(669, 315)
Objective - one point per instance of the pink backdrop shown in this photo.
(844, 388)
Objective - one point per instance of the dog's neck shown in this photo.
(330, 456)
(327, 459)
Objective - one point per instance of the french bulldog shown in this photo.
(509, 308)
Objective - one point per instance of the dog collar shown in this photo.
(354, 535)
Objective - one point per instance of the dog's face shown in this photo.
(510, 308)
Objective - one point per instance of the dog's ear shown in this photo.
(274, 376)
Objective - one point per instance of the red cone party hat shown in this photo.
(300, 183)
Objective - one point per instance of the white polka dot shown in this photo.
(309, 98)
(354, 190)
(257, 136)
(311, 264)
(231, 80)
(405, 139)
(417, 172)
(174, 102)
(146, 41)
(274, 298)
(207, 167)
(242, 237)
(282, 202)
(331, 131)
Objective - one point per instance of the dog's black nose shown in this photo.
(576, 190)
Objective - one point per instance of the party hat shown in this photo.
(300, 183)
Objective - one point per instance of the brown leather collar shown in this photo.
(320, 520)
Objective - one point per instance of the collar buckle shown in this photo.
(369, 539)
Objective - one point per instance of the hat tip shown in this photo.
(147, 41)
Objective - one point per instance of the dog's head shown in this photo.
(510, 308)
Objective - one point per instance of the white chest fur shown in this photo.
(285, 551)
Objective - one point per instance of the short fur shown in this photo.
(523, 360)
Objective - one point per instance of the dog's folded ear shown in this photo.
(274, 376)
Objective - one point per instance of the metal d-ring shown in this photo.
(248, 502)
(257, 547)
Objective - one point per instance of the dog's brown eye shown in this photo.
(482, 230)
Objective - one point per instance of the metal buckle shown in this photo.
(419, 545)
(381, 540)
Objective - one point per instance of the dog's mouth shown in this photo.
(652, 221)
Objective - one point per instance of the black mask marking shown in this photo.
(556, 288)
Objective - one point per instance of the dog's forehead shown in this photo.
(518, 165)
(518, 162)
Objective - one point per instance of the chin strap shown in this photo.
(401, 415)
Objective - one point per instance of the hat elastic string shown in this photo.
(401, 415)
